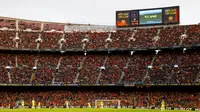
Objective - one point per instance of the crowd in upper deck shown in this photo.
(28, 34)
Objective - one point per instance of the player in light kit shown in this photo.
(89, 106)
(67, 104)
(22, 103)
(101, 105)
(38, 105)
(162, 106)
(33, 104)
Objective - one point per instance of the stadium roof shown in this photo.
(35, 21)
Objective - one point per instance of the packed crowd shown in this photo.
(193, 35)
(136, 70)
(82, 97)
(91, 69)
(164, 68)
(53, 26)
(5, 23)
(123, 38)
(7, 39)
(175, 68)
(171, 36)
(167, 68)
(25, 25)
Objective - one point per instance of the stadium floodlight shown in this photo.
(175, 66)
(157, 51)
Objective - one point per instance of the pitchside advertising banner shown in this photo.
(145, 17)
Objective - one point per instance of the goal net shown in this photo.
(107, 103)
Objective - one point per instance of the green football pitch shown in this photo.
(84, 110)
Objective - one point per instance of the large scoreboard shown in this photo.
(145, 17)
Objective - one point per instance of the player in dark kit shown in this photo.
(117, 106)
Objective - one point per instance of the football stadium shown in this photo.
(146, 62)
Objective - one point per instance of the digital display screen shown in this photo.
(147, 17)
(123, 19)
(171, 15)
(151, 16)
(134, 18)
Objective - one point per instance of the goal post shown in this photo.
(107, 103)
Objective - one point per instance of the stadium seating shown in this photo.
(26, 25)
(97, 40)
(7, 39)
(7, 23)
(192, 35)
(91, 69)
(136, 70)
(122, 38)
(28, 40)
(74, 40)
(4, 79)
(53, 26)
(175, 68)
(170, 36)
(145, 37)
(50, 40)
(167, 68)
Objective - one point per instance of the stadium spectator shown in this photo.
(7, 23)
(25, 25)
(7, 39)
